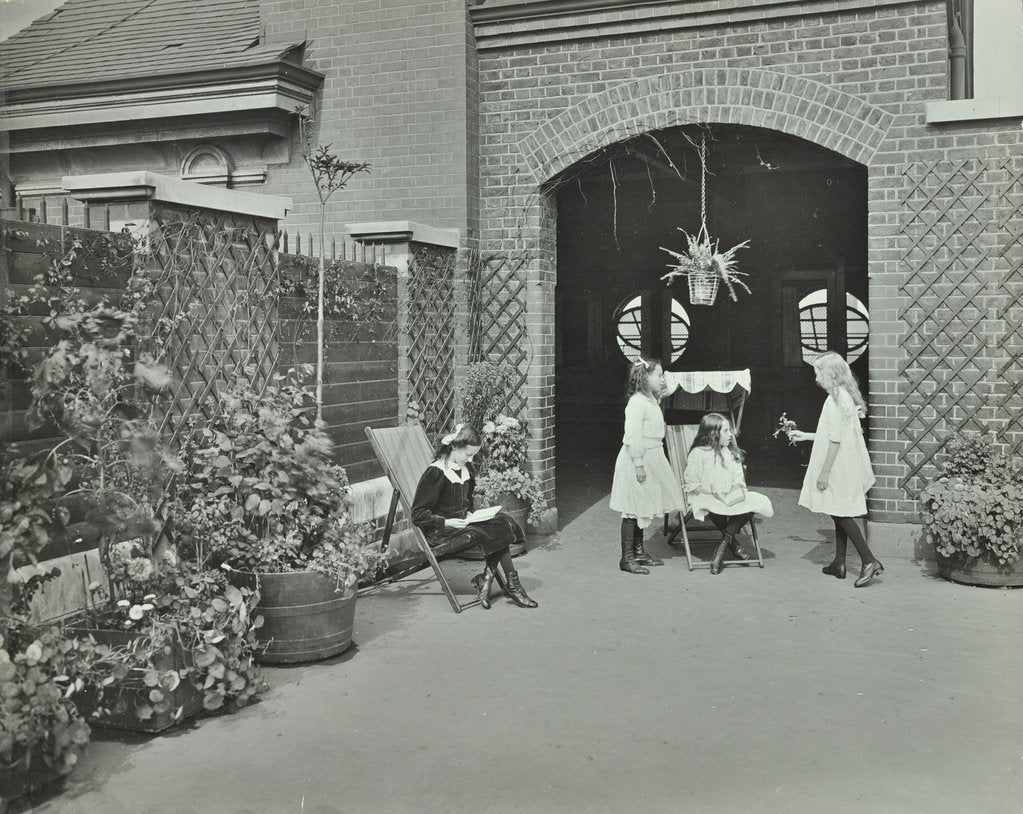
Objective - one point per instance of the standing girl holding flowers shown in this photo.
(644, 486)
(839, 473)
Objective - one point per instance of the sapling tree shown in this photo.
(330, 173)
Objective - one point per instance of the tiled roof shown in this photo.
(103, 40)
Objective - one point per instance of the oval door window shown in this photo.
(813, 325)
(629, 328)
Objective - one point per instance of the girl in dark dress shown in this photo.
(444, 497)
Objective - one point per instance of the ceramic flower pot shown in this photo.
(983, 570)
(304, 617)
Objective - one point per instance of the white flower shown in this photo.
(146, 607)
(123, 603)
(136, 612)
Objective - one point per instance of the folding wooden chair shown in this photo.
(404, 453)
(678, 438)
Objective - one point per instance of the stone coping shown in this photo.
(145, 185)
(402, 231)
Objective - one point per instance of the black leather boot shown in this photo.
(719, 554)
(628, 561)
(737, 550)
(513, 588)
(639, 553)
(482, 583)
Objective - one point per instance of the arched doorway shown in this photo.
(804, 210)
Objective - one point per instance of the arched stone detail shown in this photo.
(207, 164)
(800, 107)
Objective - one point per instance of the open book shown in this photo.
(480, 515)
(735, 495)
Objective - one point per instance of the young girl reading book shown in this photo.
(444, 501)
(716, 486)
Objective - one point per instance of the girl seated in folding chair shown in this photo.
(444, 497)
(716, 486)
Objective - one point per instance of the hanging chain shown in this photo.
(703, 181)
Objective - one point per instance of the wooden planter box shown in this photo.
(983, 571)
(122, 697)
(304, 618)
(17, 780)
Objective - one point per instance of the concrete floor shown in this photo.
(775, 690)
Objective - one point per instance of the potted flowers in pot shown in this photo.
(973, 514)
(503, 478)
(261, 498)
(188, 637)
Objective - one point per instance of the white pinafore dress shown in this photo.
(720, 472)
(643, 443)
(851, 474)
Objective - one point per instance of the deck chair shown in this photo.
(404, 453)
(678, 438)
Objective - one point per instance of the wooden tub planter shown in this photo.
(145, 700)
(984, 571)
(305, 617)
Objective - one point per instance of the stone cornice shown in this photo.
(145, 185)
(277, 86)
(522, 23)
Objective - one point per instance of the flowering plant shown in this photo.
(172, 605)
(974, 505)
(260, 492)
(786, 425)
(42, 669)
(501, 472)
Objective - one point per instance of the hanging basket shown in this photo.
(703, 287)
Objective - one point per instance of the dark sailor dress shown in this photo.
(446, 492)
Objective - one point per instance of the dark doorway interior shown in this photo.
(804, 211)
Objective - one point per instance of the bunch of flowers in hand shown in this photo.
(501, 472)
(787, 426)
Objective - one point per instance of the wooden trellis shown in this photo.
(431, 335)
(1010, 302)
(217, 312)
(501, 320)
(950, 364)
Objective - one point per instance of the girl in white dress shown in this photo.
(644, 486)
(839, 473)
(716, 486)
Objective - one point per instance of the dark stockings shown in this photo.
(846, 528)
(729, 524)
(502, 558)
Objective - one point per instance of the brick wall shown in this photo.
(853, 80)
(398, 80)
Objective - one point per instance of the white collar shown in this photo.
(452, 474)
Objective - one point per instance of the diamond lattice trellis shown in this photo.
(502, 312)
(218, 297)
(431, 334)
(949, 363)
(1010, 303)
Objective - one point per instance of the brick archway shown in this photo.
(800, 107)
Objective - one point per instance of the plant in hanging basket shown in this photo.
(705, 267)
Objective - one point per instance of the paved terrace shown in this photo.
(775, 690)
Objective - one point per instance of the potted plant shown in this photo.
(502, 477)
(261, 497)
(188, 636)
(973, 514)
(42, 733)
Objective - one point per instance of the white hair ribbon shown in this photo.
(451, 436)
